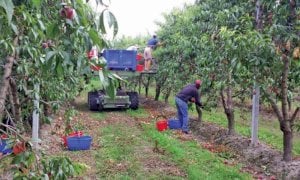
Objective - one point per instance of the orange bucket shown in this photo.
(162, 125)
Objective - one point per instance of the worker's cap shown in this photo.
(198, 83)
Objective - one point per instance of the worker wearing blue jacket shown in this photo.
(152, 42)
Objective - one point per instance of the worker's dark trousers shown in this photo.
(182, 113)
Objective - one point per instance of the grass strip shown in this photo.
(121, 152)
(268, 131)
(190, 156)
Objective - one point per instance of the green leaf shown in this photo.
(101, 23)
(41, 25)
(50, 54)
(70, 22)
(52, 30)
(30, 52)
(66, 56)
(113, 23)
(36, 3)
(18, 159)
(111, 90)
(48, 120)
(14, 28)
(59, 70)
(102, 79)
(79, 62)
(35, 33)
(111, 20)
(9, 8)
(94, 36)
(103, 3)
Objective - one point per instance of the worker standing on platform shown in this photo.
(147, 57)
(151, 45)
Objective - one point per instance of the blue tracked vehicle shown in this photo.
(123, 63)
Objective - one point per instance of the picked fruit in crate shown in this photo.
(75, 133)
(19, 147)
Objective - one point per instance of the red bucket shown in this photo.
(139, 68)
(162, 125)
(139, 57)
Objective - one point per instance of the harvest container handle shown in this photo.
(156, 118)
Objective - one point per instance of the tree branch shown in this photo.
(274, 105)
(295, 114)
(223, 100)
(6, 77)
(5, 83)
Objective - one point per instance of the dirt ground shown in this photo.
(261, 161)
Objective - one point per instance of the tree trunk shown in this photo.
(47, 109)
(10, 102)
(287, 142)
(140, 82)
(259, 14)
(230, 111)
(290, 104)
(160, 80)
(167, 95)
(227, 105)
(5, 83)
(199, 111)
(231, 123)
(16, 104)
(146, 85)
(146, 90)
(285, 124)
(284, 87)
(157, 91)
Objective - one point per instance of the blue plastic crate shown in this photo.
(174, 124)
(77, 143)
(4, 147)
(120, 59)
